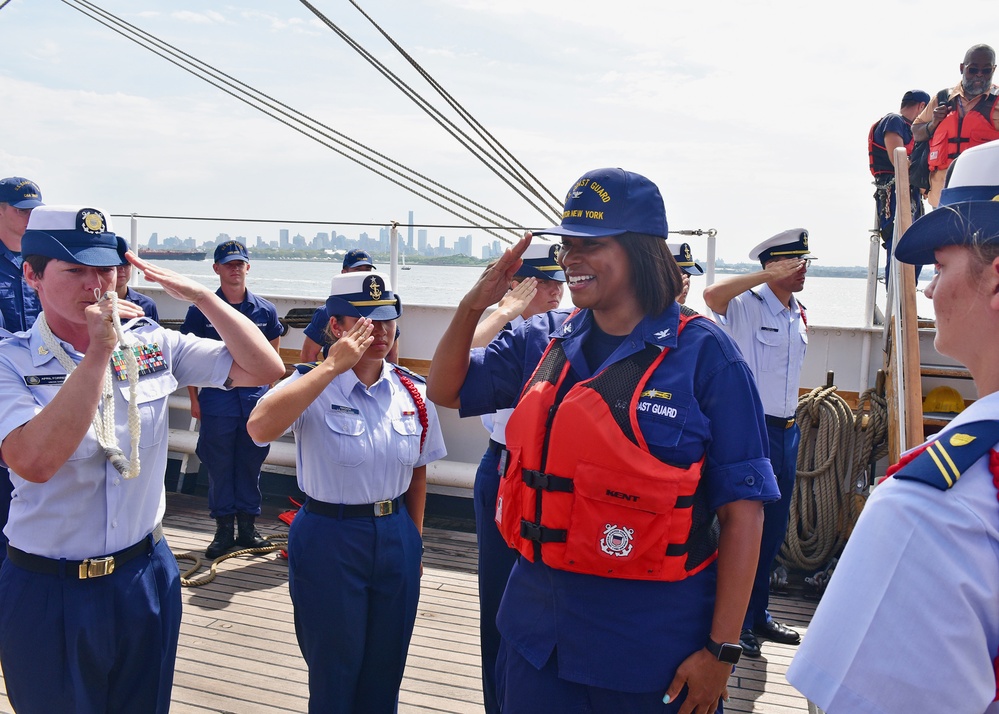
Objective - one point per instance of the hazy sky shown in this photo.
(751, 117)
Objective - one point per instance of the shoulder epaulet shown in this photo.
(757, 295)
(942, 461)
(305, 367)
(410, 373)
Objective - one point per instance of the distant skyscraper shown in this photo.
(410, 241)
(154, 240)
(284, 243)
(421, 240)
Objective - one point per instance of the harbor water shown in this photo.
(829, 301)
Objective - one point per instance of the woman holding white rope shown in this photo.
(90, 593)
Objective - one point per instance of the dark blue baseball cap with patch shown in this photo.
(20, 192)
(229, 251)
(75, 234)
(611, 202)
(357, 258)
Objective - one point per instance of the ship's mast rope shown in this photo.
(103, 420)
(401, 175)
(837, 447)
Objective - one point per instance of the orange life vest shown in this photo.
(583, 492)
(956, 133)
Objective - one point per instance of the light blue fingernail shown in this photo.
(666, 699)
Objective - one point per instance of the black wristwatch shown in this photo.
(725, 652)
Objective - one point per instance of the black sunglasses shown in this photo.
(975, 71)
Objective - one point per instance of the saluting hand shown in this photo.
(495, 280)
(780, 269)
(175, 284)
(350, 345)
(516, 301)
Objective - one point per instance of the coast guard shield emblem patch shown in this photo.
(617, 541)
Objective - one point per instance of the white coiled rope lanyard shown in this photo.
(104, 425)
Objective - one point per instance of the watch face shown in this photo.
(729, 653)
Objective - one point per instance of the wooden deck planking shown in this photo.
(238, 653)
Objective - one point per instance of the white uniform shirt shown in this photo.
(358, 444)
(772, 339)
(87, 509)
(910, 619)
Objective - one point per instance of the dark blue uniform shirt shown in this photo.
(145, 302)
(18, 302)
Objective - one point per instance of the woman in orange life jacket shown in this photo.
(922, 557)
(364, 435)
(637, 469)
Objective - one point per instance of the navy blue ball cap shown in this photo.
(541, 262)
(610, 202)
(968, 212)
(75, 234)
(229, 251)
(363, 295)
(20, 192)
(685, 259)
(916, 95)
(357, 258)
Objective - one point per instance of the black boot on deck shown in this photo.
(248, 536)
(225, 537)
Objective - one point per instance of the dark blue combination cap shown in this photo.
(609, 202)
(20, 192)
(968, 212)
(229, 251)
(685, 259)
(541, 261)
(363, 295)
(75, 234)
(356, 258)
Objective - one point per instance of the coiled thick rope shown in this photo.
(191, 582)
(103, 420)
(837, 445)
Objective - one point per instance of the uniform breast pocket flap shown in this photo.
(407, 430)
(662, 414)
(151, 393)
(347, 431)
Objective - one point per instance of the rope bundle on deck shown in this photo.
(837, 447)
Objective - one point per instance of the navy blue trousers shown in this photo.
(784, 457)
(355, 586)
(526, 690)
(233, 462)
(496, 560)
(99, 646)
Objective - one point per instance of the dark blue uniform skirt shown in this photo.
(355, 586)
(103, 645)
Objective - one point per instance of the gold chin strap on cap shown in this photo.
(103, 422)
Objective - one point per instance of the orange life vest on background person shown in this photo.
(956, 133)
(582, 490)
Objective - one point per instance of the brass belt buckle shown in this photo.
(790, 423)
(97, 567)
(383, 508)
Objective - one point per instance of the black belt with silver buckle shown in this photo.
(353, 510)
(84, 569)
(780, 422)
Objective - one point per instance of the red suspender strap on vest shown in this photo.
(582, 490)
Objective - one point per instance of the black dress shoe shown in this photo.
(750, 645)
(777, 632)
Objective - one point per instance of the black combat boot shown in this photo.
(248, 536)
(225, 537)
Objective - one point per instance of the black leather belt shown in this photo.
(495, 446)
(353, 510)
(84, 569)
(780, 422)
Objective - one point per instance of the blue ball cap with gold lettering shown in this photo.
(363, 294)
(610, 202)
(968, 212)
(357, 258)
(792, 243)
(229, 251)
(541, 261)
(20, 192)
(75, 234)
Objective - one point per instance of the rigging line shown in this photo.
(215, 73)
(484, 133)
(268, 110)
(435, 114)
(4, 4)
(295, 221)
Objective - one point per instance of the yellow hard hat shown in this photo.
(943, 399)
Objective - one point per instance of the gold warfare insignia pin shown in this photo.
(92, 222)
(961, 439)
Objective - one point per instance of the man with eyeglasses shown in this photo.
(759, 311)
(967, 118)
